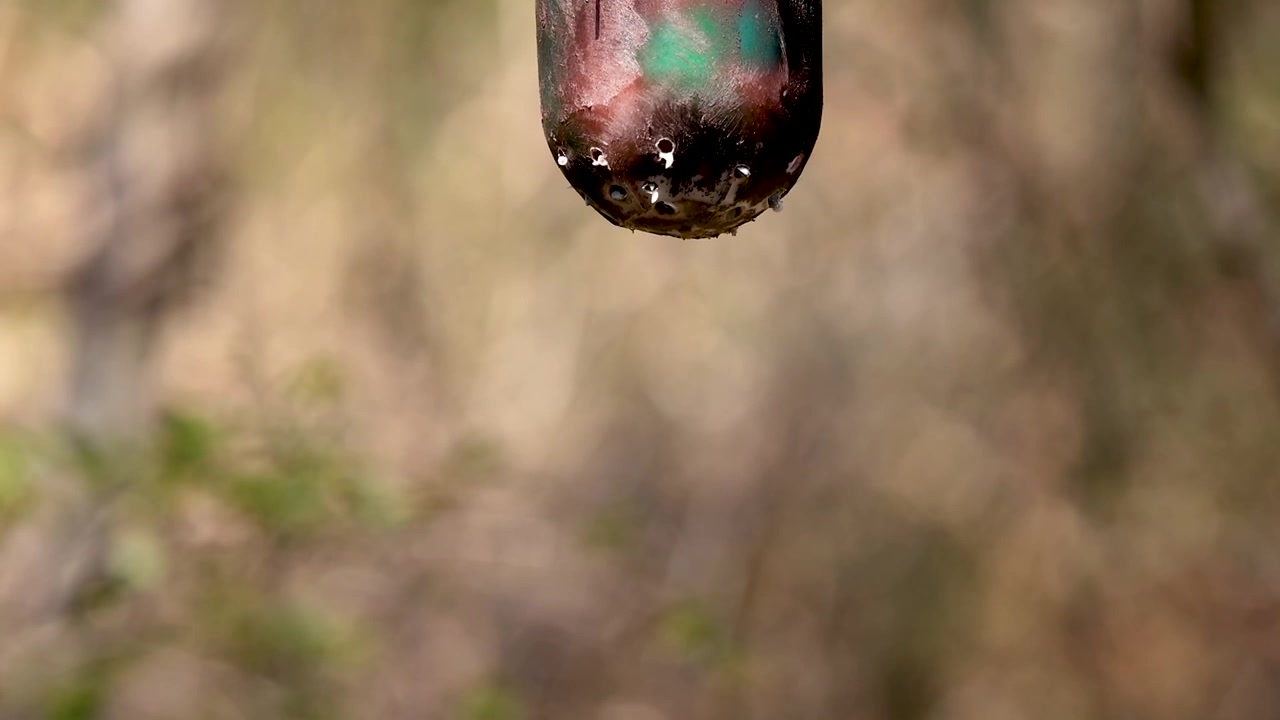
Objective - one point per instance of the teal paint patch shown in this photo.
(758, 39)
(684, 57)
(676, 57)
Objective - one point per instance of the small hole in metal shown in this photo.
(651, 189)
(617, 192)
(666, 152)
(665, 208)
(742, 171)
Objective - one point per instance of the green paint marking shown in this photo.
(684, 56)
(757, 38)
(677, 57)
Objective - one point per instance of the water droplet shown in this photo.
(742, 171)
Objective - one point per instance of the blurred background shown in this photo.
(323, 396)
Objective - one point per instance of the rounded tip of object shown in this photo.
(687, 182)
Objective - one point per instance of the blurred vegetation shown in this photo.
(985, 425)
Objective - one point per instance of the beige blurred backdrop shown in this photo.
(323, 396)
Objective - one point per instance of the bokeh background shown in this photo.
(323, 396)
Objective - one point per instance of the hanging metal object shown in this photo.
(681, 117)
